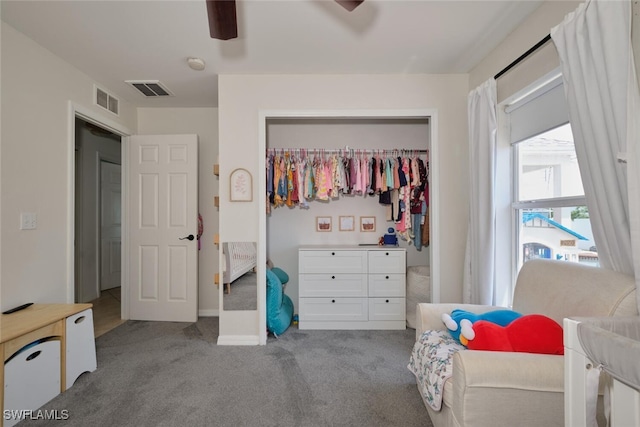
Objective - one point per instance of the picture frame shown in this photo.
(323, 223)
(347, 223)
(367, 224)
(240, 186)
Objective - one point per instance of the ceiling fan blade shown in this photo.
(222, 19)
(349, 4)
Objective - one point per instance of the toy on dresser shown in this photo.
(389, 239)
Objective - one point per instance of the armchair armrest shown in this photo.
(517, 378)
(530, 371)
(429, 316)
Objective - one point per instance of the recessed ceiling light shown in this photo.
(196, 63)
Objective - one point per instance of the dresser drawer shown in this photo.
(332, 285)
(333, 309)
(387, 261)
(387, 285)
(387, 309)
(332, 261)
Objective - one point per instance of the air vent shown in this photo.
(150, 88)
(105, 100)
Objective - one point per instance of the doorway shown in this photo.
(98, 219)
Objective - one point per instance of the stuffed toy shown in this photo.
(459, 322)
(531, 333)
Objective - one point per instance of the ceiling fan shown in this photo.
(223, 23)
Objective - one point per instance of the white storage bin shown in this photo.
(81, 346)
(31, 377)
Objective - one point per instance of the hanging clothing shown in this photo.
(401, 182)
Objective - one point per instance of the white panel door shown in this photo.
(163, 216)
(110, 225)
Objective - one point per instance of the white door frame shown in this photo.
(434, 175)
(86, 114)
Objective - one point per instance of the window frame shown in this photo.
(507, 207)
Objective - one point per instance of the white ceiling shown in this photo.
(113, 41)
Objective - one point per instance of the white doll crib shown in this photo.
(239, 258)
(613, 346)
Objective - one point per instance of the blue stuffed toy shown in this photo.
(459, 322)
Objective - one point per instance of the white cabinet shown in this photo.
(31, 379)
(81, 346)
(351, 287)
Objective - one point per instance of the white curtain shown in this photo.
(594, 45)
(633, 169)
(479, 280)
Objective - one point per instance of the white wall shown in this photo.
(0, 157)
(289, 228)
(635, 36)
(526, 35)
(204, 123)
(243, 97)
(36, 169)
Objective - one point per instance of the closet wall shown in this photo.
(289, 228)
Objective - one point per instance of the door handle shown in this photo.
(189, 237)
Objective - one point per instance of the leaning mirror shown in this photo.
(240, 283)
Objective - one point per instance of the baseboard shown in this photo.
(209, 313)
(238, 340)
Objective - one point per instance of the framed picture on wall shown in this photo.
(367, 223)
(241, 186)
(347, 223)
(323, 223)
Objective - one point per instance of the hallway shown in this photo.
(106, 311)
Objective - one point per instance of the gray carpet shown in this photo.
(174, 374)
(244, 293)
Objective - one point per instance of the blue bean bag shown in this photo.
(282, 275)
(279, 305)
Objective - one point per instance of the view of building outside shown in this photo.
(553, 222)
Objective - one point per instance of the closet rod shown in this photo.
(523, 56)
(338, 150)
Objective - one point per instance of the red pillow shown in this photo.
(531, 333)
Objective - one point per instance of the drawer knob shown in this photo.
(387, 301)
(386, 277)
(79, 320)
(387, 253)
(333, 300)
(333, 253)
(333, 277)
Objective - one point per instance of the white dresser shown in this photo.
(351, 287)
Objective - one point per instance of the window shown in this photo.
(547, 206)
(551, 219)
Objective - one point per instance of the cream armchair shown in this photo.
(522, 389)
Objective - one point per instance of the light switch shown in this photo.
(28, 221)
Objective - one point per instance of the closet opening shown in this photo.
(355, 216)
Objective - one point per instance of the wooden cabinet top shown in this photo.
(34, 317)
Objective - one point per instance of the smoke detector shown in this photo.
(196, 63)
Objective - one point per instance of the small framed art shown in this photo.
(241, 186)
(323, 223)
(347, 223)
(367, 223)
